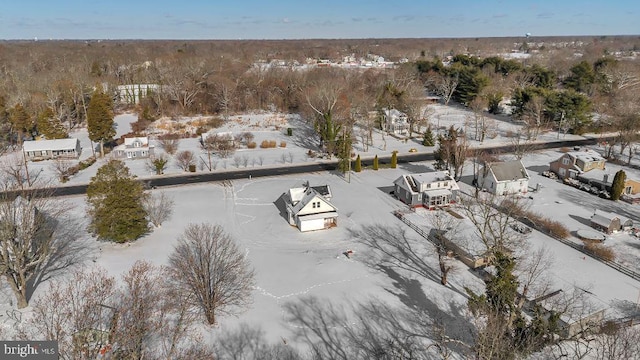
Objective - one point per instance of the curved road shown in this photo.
(302, 168)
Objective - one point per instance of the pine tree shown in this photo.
(116, 204)
(49, 126)
(428, 137)
(375, 163)
(100, 118)
(358, 165)
(394, 160)
(618, 185)
(21, 121)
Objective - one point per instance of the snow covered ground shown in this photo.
(273, 126)
(291, 265)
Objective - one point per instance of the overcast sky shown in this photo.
(284, 19)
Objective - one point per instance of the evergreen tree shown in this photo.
(100, 118)
(21, 121)
(116, 203)
(394, 160)
(428, 140)
(618, 185)
(49, 126)
(358, 166)
(375, 163)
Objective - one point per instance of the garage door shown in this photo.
(310, 225)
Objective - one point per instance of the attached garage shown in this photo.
(317, 221)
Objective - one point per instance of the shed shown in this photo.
(605, 222)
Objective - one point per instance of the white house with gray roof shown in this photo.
(51, 149)
(308, 208)
(431, 189)
(504, 178)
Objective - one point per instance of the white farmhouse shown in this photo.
(431, 189)
(396, 122)
(504, 178)
(309, 208)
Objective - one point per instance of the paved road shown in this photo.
(300, 168)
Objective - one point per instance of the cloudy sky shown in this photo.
(285, 19)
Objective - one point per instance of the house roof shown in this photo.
(394, 114)
(437, 192)
(308, 195)
(52, 145)
(129, 141)
(603, 218)
(296, 194)
(509, 170)
(431, 177)
(414, 181)
(586, 156)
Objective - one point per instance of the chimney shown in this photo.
(606, 178)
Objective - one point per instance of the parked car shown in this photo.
(522, 229)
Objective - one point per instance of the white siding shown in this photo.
(320, 207)
(310, 225)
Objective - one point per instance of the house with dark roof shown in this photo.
(431, 190)
(51, 149)
(308, 208)
(574, 163)
(504, 178)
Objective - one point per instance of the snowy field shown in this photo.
(291, 266)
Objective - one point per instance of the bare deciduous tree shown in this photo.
(159, 208)
(208, 265)
(38, 238)
(185, 159)
(72, 313)
(62, 168)
(169, 145)
(90, 316)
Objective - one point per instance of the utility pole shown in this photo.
(560, 123)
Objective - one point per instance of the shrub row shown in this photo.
(599, 250)
(553, 227)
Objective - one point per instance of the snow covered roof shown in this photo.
(586, 156)
(296, 194)
(437, 192)
(308, 194)
(50, 145)
(603, 218)
(129, 141)
(431, 177)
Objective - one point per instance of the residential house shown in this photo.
(461, 240)
(133, 148)
(603, 179)
(51, 149)
(308, 208)
(132, 93)
(504, 178)
(585, 315)
(606, 222)
(395, 122)
(573, 163)
(431, 190)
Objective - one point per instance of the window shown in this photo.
(428, 186)
(446, 183)
(565, 161)
(44, 152)
(314, 205)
